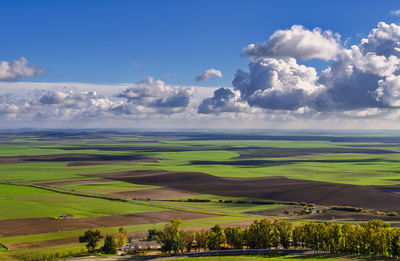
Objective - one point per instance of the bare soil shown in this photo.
(76, 159)
(383, 198)
(293, 152)
(14, 227)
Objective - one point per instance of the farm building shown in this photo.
(137, 245)
(67, 216)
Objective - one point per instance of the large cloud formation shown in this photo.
(55, 104)
(142, 99)
(361, 77)
(17, 69)
(360, 81)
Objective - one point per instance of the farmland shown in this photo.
(109, 179)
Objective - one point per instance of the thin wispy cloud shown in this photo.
(395, 12)
(137, 65)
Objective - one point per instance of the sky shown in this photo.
(200, 64)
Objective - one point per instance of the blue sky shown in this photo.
(200, 64)
(101, 41)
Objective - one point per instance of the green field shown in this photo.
(106, 187)
(266, 258)
(236, 208)
(27, 202)
(62, 188)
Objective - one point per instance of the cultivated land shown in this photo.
(140, 180)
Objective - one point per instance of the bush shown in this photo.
(110, 246)
(198, 200)
(347, 208)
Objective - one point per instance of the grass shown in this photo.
(383, 169)
(35, 202)
(266, 258)
(227, 207)
(373, 169)
(360, 169)
(106, 187)
(44, 253)
(110, 230)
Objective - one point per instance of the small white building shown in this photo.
(136, 246)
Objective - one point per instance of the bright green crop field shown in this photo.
(45, 160)
(27, 202)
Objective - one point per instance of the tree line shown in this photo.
(374, 238)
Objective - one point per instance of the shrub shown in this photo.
(347, 208)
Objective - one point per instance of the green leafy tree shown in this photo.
(152, 235)
(121, 237)
(188, 238)
(284, 230)
(260, 234)
(394, 242)
(234, 237)
(298, 236)
(335, 235)
(92, 238)
(170, 237)
(201, 238)
(216, 238)
(110, 246)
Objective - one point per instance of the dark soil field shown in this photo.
(264, 162)
(78, 159)
(293, 152)
(276, 188)
(27, 226)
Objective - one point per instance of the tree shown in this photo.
(259, 234)
(92, 238)
(335, 235)
(284, 229)
(215, 238)
(121, 237)
(349, 239)
(188, 238)
(298, 236)
(394, 242)
(201, 238)
(170, 237)
(152, 234)
(234, 237)
(110, 246)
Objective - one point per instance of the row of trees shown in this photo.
(372, 238)
(111, 243)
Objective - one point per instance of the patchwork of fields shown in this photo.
(140, 180)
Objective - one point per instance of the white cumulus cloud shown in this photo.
(11, 71)
(208, 74)
(154, 93)
(298, 42)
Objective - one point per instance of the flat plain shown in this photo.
(56, 184)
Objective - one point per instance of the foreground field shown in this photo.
(268, 258)
(140, 180)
